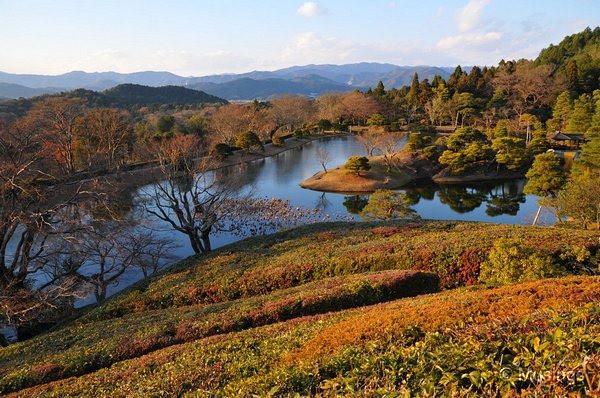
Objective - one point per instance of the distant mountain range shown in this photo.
(308, 80)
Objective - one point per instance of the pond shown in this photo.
(279, 176)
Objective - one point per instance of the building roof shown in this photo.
(558, 136)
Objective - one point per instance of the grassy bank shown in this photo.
(538, 338)
(284, 314)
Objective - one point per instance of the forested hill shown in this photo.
(577, 59)
(135, 94)
(127, 96)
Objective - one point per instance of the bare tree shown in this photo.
(324, 157)
(101, 253)
(368, 140)
(57, 119)
(388, 145)
(526, 86)
(357, 107)
(198, 202)
(190, 198)
(105, 136)
(228, 121)
(34, 211)
(329, 106)
(292, 111)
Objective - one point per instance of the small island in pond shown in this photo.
(340, 179)
(465, 156)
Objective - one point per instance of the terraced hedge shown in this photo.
(83, 348)
(452, 250)
(538, 338)
(279, 315)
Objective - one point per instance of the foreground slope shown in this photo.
(537, 338)
(205, 326)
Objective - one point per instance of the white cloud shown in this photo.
(468, 39)
(470, 15)
(310, 46)
(182, 62)
(439, 12)
(310, 9)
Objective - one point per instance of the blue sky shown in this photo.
(200, 37)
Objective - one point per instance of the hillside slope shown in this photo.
(283, 314)
(128, 96)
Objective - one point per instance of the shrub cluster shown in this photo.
(538, 338)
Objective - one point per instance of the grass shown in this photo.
(537, 338)
(338, 179)
(284, 315)
(86, 347)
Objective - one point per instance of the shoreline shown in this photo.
(147, 172)
(409, 171)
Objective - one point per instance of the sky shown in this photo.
(202, 37)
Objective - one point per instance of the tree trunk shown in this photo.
(206, 241)
(196, 243)
(537, 215)
(100, 294)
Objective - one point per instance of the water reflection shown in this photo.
(279, 176)
(355, 203)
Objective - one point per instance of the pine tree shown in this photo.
(581, 117)
(560, 112)
(413, 93)
(595, 125)
(545, 178)
(379, 90)
(572, 76)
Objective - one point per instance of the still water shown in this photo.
(279, 176)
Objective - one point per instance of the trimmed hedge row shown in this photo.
(452, 250)
(538, 338)
(83, 348)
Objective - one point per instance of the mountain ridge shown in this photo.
(316, 79)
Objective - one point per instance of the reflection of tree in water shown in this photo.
(355, 203)
(322, 202)
(505, 199)
(462, 199)
(250, 172)
(415, 194)
(500, 199)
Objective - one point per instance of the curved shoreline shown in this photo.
(409, 170)
(146, 174)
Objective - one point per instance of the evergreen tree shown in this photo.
(379, 90)
(413, 93)
(581, 117)
(572, 76)
(545, 179)
(385, 204)
(510, 152)
(590, 151)
(356, 164)
(595, 125)
(560, 112)
(454, 78)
